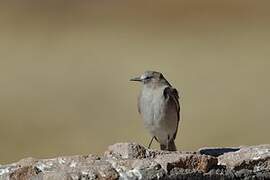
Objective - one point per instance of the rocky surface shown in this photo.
(133, 161)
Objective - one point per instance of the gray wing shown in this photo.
(172, 95)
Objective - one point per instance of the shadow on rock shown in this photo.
(217, 151)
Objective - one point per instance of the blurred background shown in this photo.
(65, 68)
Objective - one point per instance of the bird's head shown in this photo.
(151, 78)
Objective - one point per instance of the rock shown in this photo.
(126, 150)
(27, 162)
(184, 174)
(255, 158)
(167, 160)
(23, 173)
(133, 161)
(186, 161)
(56, 175)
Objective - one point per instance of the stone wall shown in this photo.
(133, 161)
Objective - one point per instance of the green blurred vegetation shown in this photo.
(65, 68)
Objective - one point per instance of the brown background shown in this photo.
(65, 66)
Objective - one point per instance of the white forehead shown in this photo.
(146, 74)
(143, 76)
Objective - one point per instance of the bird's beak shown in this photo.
(136, 79)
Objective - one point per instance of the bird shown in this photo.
(158, 104)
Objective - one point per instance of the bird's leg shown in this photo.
(154, 137)
(149, 146)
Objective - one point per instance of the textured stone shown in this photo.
(186, 161)
(56, 175)
(24, 173)
(256, 158)
(132, 161)
(126, 150)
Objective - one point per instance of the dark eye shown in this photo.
(148, 77)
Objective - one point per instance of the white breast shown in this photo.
(159, 123)
(152, 103)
